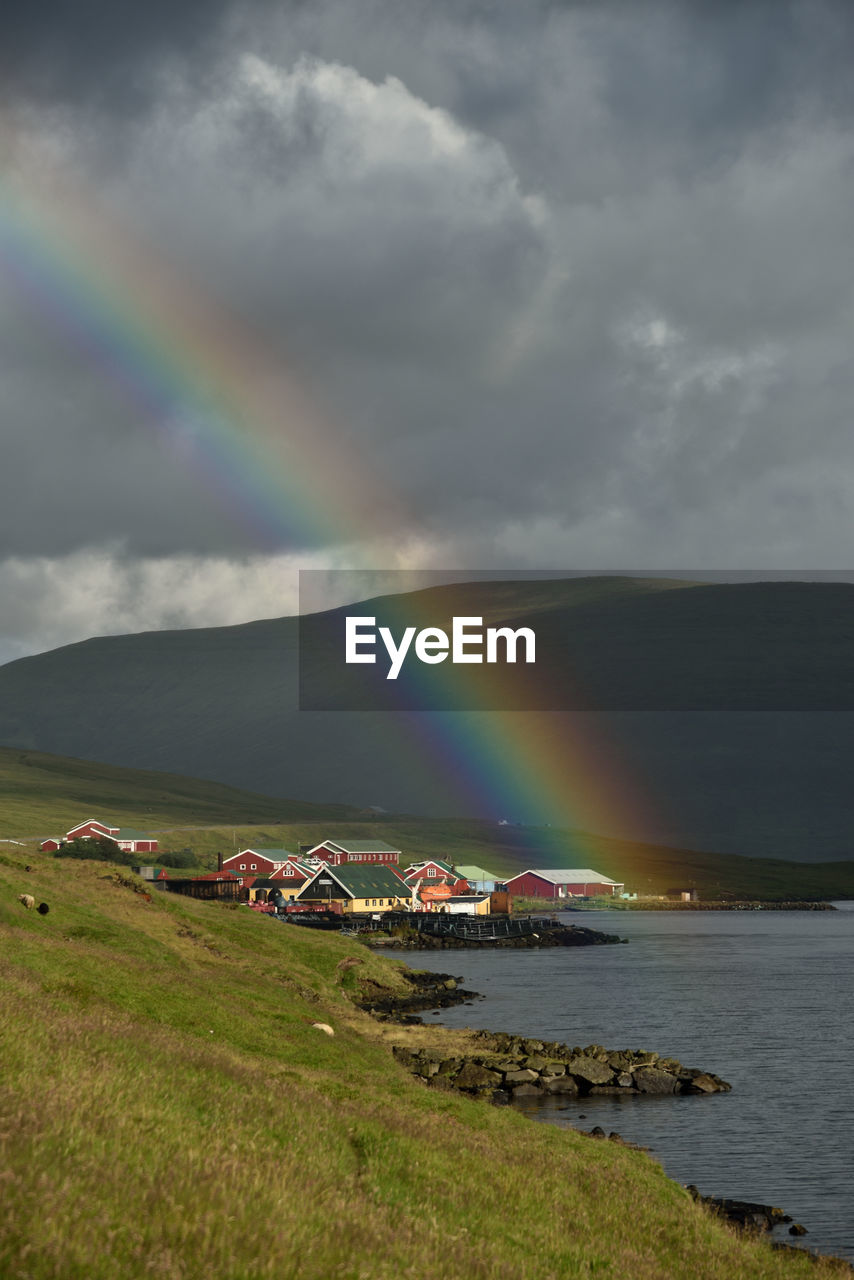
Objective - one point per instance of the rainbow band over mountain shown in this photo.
(220, 403)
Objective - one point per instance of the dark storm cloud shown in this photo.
(98, 51)
(571, 278)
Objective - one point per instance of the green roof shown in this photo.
(359, 880)
(476, 873)
(130, 833)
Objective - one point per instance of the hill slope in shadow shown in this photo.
(732, 705)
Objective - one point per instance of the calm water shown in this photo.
(764, 999)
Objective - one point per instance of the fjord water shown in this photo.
(763, 998)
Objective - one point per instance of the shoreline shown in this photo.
(499, 1068)
(742, 904)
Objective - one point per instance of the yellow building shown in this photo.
(356, 888)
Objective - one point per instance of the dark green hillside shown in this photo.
(43, 794)
(732, 706)
(615, 644)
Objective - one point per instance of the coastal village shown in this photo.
(347, 878)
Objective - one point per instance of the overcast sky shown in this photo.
(542, 285)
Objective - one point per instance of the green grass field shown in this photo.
(167, 1110)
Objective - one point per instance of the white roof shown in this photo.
(570, 875)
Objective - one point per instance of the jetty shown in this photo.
(427, 930)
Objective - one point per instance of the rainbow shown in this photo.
(217, 400)
(220, 402)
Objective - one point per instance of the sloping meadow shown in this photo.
(168, 1109)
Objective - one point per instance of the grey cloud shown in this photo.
(99, 53)
(568, 278)
(397, 236)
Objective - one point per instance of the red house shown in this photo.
(126, 838)
(563, 883)
(292, 871)
(335, 853)
(91, 829)
(289, 886)
(432, 869)
(262, 862)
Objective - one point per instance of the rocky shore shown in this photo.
(502, 1068)
(426, 991)
(549, 933)
(748, 1215)
(505, 1068)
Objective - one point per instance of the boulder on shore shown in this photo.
(510, 1066)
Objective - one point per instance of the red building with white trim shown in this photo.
(127, 838)
(336, 853)
(563, 883)
(271, 863)
(433, 869)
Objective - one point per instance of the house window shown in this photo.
(431, 871)
(382, 902)
(253, 868)
(243, 866)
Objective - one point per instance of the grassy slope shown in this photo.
(47, 794)
(167, 1110)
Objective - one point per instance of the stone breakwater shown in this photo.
(504, 1068)
(439, 935)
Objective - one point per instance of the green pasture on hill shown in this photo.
(43, 794)
(168, 1110)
